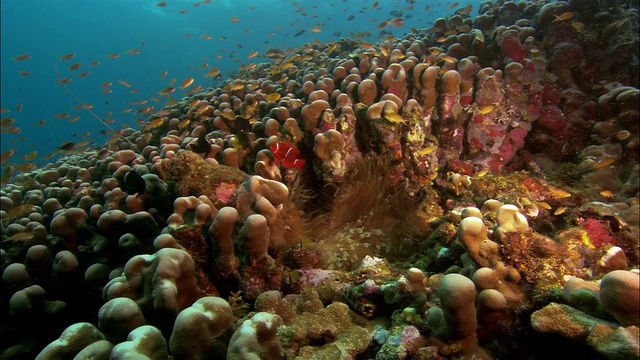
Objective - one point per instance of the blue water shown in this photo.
(91, 29)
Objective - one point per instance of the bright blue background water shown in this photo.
(49, 29)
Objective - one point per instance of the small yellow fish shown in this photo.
(559, 193)
(607, 193)
(560, 210)
(23, 236)
(487, 109)
(544, 205)
(394, 117)
(426, 151)
(482, 172)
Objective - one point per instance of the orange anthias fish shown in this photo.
(453, 6)
(124, 83)
(213, 72)
(603, 163)
(68, 56)
(22, 57)
(252, 55)
(564, 16)
(187, 83)
(375, 5)
(235, 19)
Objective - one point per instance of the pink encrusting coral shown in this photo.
(448, 194)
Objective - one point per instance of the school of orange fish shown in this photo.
(15, 162)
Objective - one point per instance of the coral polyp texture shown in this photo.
(465, 191)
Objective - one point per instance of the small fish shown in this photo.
(603, 163)
(94, 63)
(67, 145)
(544, 205)
(22, 57)
(449, 59)
(315, 30)
(164, 73)
(252, 55)
(74, 67)
(134, 183)
(382, 25)
(299, 32)
(40, 123)
(212, 72)
(375, 5)
(465, 10)
(68, 56)
(23, 236)
(394, 117)
(234, 19)
(287, 156)
(559, 193)
(61, 116)
(273, 96)
(83, 74)
(608, 194)
(5, 156)
(6, 122)
(427, 150)
(487, 109)
(155, 123)
(206, 37)
(124, 83)
(11, 130)
(453, 6)
(563, 17)
(397, 22)
(161, 4)
(187, 83)
(351, 17)
(133, 52)
(113, 56)
(482, 172)
(64, 81)
(31, 156)
(560, 210)
(83, 106)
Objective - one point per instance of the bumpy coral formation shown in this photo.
(468, 190)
